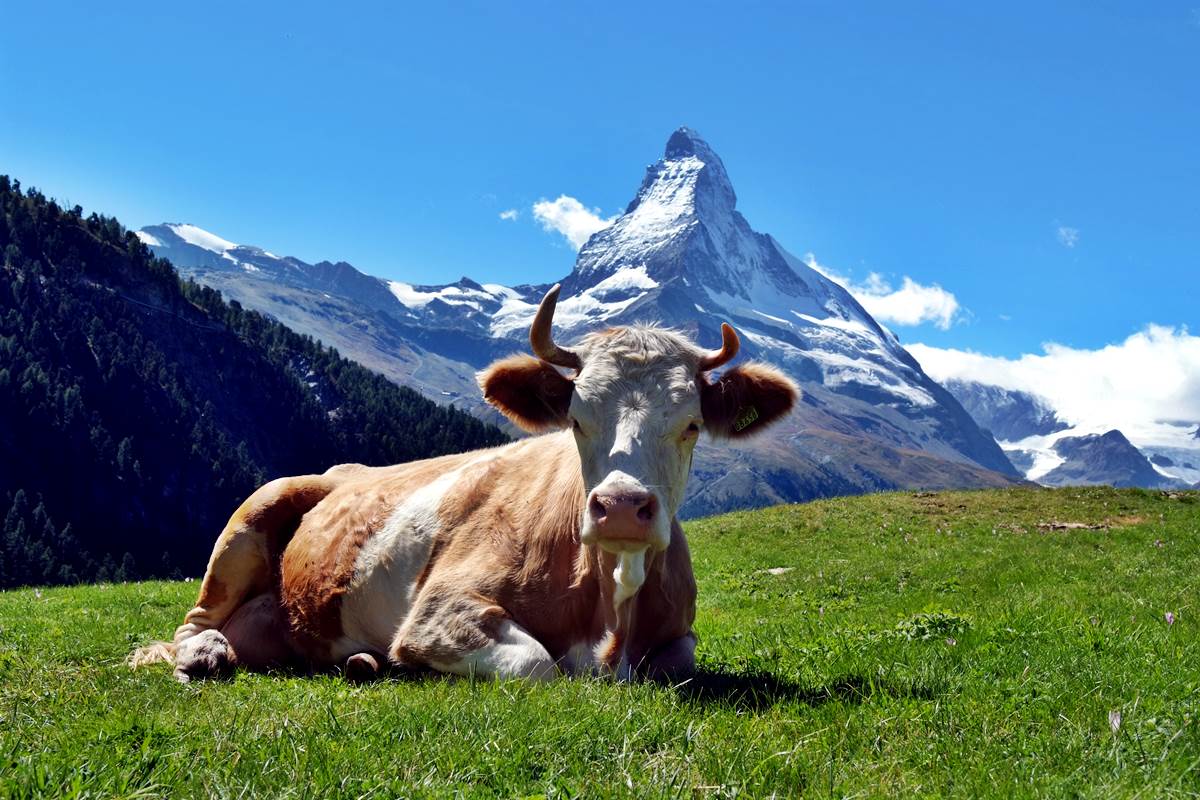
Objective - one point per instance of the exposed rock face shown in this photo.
(1010, 414)
(1108, 459)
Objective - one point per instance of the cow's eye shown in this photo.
(692, 429)
(576, 426)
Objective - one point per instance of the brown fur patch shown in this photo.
(666, 604)
(212, 592)
(318, 564)
(245, 557)
(746, 399)
(511, 548)
(530, 392)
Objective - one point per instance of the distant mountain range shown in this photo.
(682, 255)
(1050, 451)
(1008, 414)
(1105, 459)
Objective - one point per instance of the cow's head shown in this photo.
(637, 402)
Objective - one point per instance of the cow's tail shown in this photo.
(153, 653)
(245, 559)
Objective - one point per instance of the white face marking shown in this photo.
(636, 414)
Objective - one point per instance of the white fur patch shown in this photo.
(629, 575)
(515, 654)
(580, 659)
(385, 573)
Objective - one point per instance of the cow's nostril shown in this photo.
(597, 509)
(646, 512)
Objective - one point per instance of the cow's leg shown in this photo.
(674, 660)
(242, 560)
(361, 668)
(258, 634)
(465, 635)
(254, 637)
(206, 654)
(512, 654)
(241, 566)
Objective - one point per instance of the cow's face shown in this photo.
(637, 403)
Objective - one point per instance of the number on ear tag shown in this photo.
(745, 418)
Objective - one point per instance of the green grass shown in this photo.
(919, 644)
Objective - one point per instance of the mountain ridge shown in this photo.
(1105, 459)
(681, 255)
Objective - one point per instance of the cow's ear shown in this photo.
(746, 399)
(530, 392)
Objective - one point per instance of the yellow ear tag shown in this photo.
(745, 418)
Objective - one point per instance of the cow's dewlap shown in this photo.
(629, 575)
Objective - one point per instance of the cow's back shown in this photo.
(352, 570)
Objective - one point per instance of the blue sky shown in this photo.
(1039, 161)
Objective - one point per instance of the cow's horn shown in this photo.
(729, 348)
(539, 334)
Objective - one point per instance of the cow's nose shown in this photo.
(623, 514)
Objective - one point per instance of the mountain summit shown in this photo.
(682, 234)
(682, 255)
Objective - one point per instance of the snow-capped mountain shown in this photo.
(1105, 459)
(1009, 414)
(682, 255)
(1049, 449)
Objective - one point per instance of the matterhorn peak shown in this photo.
(690, 178)
(686, 142)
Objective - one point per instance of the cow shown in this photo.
(554, 554)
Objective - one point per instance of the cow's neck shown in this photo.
(620, 578)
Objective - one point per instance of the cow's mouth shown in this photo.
(632, 543)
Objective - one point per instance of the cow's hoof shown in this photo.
(205, 655)
(361, 667)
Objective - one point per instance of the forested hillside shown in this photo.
(138, 410)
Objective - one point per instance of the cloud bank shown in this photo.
(510, 215)
(912, 304)
(1148, 386)
(571, 218)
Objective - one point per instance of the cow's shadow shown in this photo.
(750, 691)
(757, 691)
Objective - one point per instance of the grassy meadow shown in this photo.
(1003, 643)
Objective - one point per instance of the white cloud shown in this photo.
(510, 215)
(912, 304)
(1139, 385)
(1067, 236)
(571, 218)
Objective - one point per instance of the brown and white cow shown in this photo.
(558, 553)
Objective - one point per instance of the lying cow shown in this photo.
(554, 553)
